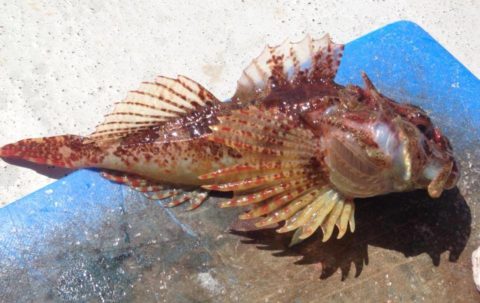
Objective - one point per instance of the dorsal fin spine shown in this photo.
(167, 100)
(287, 66)
(151, 105)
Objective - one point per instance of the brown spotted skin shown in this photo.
(141, 137)
(63, 151)
(176, 152)
(291, 144)
(162, 130)
(179, 151)
(179, 162)
(174, 162)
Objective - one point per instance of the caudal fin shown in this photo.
(62, 151)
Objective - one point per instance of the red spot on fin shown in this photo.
(290, 66)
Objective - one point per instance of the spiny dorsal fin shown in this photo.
(280, 178)
(288, 66)
(152, 104)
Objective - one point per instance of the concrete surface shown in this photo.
(64, 63)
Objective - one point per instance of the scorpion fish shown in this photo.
(293, 146)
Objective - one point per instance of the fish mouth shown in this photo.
(442, 178)
(454, 176)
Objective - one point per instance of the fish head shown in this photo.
(439, 170)
(371, 145)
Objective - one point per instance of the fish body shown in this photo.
(291, 144)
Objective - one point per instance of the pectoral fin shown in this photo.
(280, 179)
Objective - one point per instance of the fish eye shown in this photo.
(422, 128)
(426, 129)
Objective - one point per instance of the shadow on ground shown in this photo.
(48, 171)
(410, 223)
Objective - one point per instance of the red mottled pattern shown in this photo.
(64, 151)
(291, 144)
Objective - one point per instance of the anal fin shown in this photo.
(155, 190)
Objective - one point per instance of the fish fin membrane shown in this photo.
(155, 190)
(289, 66)
(151, 105)
(132, 180)
(63, 151)
(280, 178)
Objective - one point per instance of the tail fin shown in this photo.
(62, 151)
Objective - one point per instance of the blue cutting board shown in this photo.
(84, 238)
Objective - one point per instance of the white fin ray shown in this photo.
(327, 210)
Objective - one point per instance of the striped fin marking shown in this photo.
(289, 65)
(280, 179)
(152, 104)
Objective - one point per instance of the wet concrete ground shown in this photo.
(407, 248)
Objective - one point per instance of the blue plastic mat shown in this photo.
(83, 238)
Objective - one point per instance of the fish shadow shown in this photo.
(410, 223)
(46, 170)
